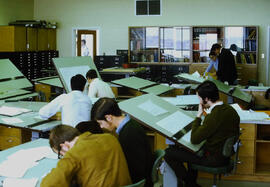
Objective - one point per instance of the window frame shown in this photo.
(135, 8)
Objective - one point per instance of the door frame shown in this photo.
(98, 42)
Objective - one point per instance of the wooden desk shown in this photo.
(254, 159)
(49, 87)
(12, 134)
(43, 166)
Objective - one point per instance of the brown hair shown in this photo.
(60, 134)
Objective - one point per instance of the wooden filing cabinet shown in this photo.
(10, 137)
(246, 164)
(44, 89)
(12, 38)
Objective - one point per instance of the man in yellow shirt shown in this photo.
(92, 160)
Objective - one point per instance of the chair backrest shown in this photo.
(230, 149)
(141, 183)
(159, 154)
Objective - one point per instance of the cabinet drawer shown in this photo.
(9, 141)
(247, 131)
(5, 131)
(247, 148)
(245, 165)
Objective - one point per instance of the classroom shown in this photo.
(152, 61)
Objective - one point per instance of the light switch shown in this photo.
(262, 55)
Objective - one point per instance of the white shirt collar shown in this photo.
(216, 104)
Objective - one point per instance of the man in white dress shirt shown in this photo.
(84, 48)
(97, 87)
(75, 106)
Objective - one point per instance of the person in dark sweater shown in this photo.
(221, 122)
(226, 64)
(131, 136)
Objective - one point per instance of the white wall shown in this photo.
(12, 10)
(113, 17)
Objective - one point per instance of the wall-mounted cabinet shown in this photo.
(19, 38)
(191, 45)
(46, 39)
(12, 38)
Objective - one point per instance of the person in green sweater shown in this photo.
(131, 135)
(221, 122)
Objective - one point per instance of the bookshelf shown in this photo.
(190, 46)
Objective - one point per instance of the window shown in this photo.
(234, 35)
(148, 7)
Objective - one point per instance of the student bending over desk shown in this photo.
(74, 106)
(89, 160)
(132, 138)
(221, 123)
(97, 87)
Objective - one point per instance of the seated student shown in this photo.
(221, 123)
(212, 63)
(90, 159)
(97, 87)
(74, 106)
(89, 126)
(132, 138)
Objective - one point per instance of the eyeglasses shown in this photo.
(59, 150)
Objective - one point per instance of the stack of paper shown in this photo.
(152, 108)
(194, 77)
(248, 115)
(11, 182)
(12, 111)
(18, 163)
(183, 100)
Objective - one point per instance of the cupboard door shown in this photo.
(42, 39)
(31, 37)
(51, 39)
(12, 39)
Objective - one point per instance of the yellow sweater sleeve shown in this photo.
(61, 175)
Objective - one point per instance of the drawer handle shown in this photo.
(239, 162)
(9, 140)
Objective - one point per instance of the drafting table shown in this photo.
(41, 169)
(137, 108)
(30, 120)
(228, 90)
(190, 78)
(70, 66)
(51, 81)
(127, 72)
(12, 82)
(143, 85)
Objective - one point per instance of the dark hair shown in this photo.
(77, 82)
(91, 74)
(215, 47)
(89, 126)
(209, 90)
(83, 40)
(60, 134)
(105, 106)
